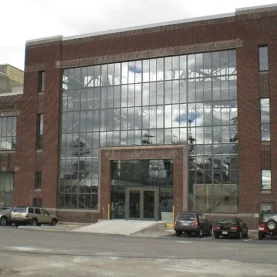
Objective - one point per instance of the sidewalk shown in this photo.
(60, 227)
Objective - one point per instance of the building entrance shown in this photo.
(142, 203)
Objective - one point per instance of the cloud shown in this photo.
(31, 19)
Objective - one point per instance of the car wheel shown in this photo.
(246, 234)
(271, 225)
(216, 236)
(260, 236)
(188, 233)
(53, 222)
(240, 235)
(34, 222)
(200, 233)
(178, 233)
(3, 221)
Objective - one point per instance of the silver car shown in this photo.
(5, 216)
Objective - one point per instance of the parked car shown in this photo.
(5, 216)
(230, 227)
(267, 225)
(192, 223)
(32, 215)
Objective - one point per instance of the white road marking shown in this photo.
(208, 238)
(247, 239)
(27, 248)
(184, 241)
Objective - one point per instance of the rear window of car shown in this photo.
(186, 217)
(19, 210)
(266, 217)
(227, 220)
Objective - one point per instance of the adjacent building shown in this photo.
(11, 90)
(146, 122)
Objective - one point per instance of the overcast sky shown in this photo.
(31, 19)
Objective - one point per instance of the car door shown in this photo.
(46, 216)
(17, 214)
(38, 215)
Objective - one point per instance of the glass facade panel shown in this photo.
(263, 58)
(190, 99)
(266, 179)
(265, 119)
(7, 133)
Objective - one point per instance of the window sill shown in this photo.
(37, 189)
(266, 192)
(39, 150)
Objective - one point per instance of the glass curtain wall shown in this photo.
(172, 100)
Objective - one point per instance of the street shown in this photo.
(38, 253)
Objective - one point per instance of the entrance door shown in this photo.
(142, 203)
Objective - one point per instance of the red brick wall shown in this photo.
(254, 32)
(244, 32)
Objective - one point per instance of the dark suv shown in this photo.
(267, 225)
(192, 223)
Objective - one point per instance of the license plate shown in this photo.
(185, 224)
(224, 233)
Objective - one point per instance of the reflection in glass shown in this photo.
(7, 133)
(188, 99)
(265, 119)
(266, 179)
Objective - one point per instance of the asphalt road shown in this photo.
(106, 255)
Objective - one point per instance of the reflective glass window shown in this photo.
(8, 133)
(265, 119)
(263, 58)
(266, 179)
(189, 99)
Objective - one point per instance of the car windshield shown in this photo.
(227, 220)
(186, 217)
(266, 217)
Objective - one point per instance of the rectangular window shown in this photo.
(37, 203)
(266, 208)
(6, 189)
(38, 180)
(39, 131)
(266, 179)
(265, 119)
(7, 133)
(263, 58)
(41, 81)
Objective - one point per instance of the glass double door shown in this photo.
(142, 203)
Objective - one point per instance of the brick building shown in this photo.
(146, 122)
